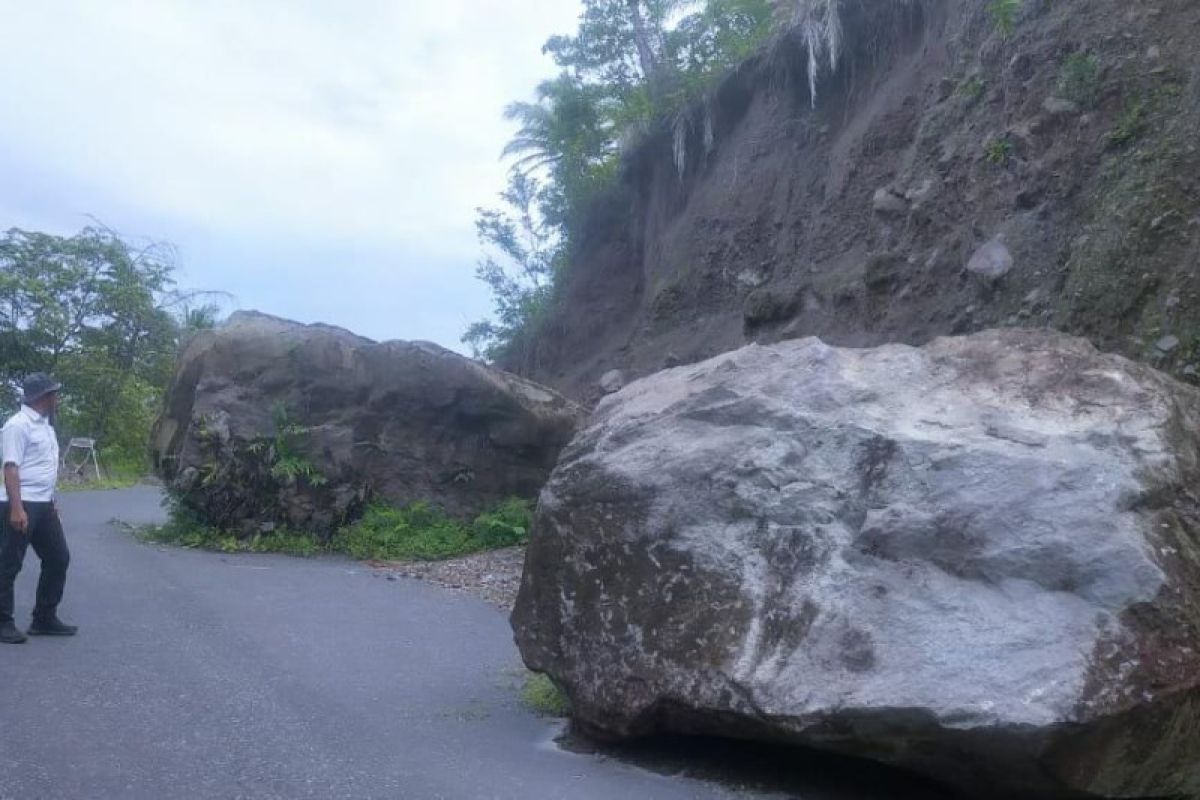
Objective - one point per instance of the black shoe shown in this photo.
(51, 627)
(11, 634)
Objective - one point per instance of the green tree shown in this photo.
(620, 43)
(567, 134)
(524, 254)
(99, 314)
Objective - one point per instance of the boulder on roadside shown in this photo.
(271, 421)
(977, 560)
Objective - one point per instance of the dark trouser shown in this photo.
(45, 533)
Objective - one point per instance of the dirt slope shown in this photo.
(1072, 142)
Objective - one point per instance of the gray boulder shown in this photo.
(270, 421)
(977, 560)
(992, 261)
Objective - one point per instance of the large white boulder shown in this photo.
(977, 560)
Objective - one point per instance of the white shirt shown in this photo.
(28, 440)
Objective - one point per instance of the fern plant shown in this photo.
(288, 464)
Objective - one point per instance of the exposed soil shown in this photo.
(1073, 140)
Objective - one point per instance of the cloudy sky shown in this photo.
(319, 160)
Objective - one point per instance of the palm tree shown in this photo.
(566, 124)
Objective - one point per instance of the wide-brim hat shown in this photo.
(37, 386)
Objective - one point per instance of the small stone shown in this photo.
(612, 381)
(1059, 106)
(1190, 371)
(1033, 297)
(751, 278)
(888, 202)
(1154, 53)
(1168, 344)
(1173, 301)
(992, 261)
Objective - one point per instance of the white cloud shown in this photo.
(372, 126)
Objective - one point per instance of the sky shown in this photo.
(317, 160)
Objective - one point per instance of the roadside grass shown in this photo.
(422, 533)
(117, 472)
(418, 532)
(542, 696)
(109, 483)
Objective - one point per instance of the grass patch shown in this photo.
(1129, 125)
(1079, 80)
(972, 88)
(420, 532)
(998, 151)
(542, 696)
(1004, 15)
(182, 530)
(417, 532)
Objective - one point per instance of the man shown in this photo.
(28, 516)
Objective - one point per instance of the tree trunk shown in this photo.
(641, 38)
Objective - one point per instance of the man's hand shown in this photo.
(18, 519)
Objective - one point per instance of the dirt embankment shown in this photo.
(1069, 144)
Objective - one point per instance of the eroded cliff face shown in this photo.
(949, 178)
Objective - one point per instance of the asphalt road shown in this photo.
(197, 675)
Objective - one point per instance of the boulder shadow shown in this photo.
(774, 770)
